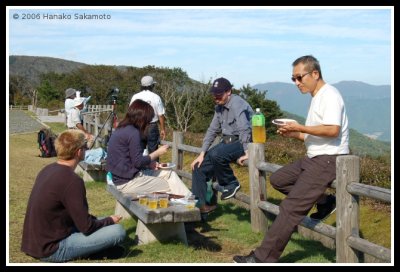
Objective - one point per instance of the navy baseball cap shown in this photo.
(220, 85)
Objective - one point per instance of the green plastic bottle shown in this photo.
(258, 127)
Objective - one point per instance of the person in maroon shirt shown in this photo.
(58, 226)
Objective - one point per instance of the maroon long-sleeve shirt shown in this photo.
(57, 205)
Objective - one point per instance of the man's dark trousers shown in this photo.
(216, 164)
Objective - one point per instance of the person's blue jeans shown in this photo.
(78, 245)
(153, 138)
(216, 164)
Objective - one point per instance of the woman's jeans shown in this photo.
(78, 245)
(216, 164)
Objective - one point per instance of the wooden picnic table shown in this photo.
(158, 224)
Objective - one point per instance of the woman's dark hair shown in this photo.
(139, 115)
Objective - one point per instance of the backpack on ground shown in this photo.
(46, 143)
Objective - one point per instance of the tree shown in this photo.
(47, 94)
(22, 91)
(257, 99)
(179, 95)
(204, 109)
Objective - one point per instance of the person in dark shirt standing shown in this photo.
(232, 119)
(58, 226)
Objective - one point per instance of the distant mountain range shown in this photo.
(367, 106)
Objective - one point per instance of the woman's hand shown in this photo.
(154, 165)
(160, 151)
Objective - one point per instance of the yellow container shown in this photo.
(163, 201)
(152, 202)
(258, 127)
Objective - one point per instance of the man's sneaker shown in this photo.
(326, 209)
(230, 192)
(251, 258)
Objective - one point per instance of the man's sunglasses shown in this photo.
(299, 78)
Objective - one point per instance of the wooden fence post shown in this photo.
(96, 129)
(347, 213)
(257, 187)
(177, 156)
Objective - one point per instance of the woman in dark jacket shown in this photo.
(133, 172)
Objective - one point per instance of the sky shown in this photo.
(246, 45)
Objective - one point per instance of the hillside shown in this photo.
(286, 95)
(360, 144)
(368, 106)
(30, 67)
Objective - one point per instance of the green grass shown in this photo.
(57, 128)
(227, 233)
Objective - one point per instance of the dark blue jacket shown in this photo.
(125, 154)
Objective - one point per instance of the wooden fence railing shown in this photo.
(349, 245)
(21, 107)
(98, 120)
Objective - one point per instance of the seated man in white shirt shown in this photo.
(74, 120)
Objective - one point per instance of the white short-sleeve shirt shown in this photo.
(154, 100)
(327, 108)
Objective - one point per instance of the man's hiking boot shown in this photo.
(208, 209)
(205, 211)
(325, 209)
(251, 258)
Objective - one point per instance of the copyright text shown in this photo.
(61, 16)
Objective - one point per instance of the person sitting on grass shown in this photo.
(58, 226)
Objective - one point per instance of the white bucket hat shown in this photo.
(69, 92)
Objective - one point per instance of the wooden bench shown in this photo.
(91, 172)
(159, 224)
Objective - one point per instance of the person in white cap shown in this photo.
(74, 120)
(70, 95)
(146, 94)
